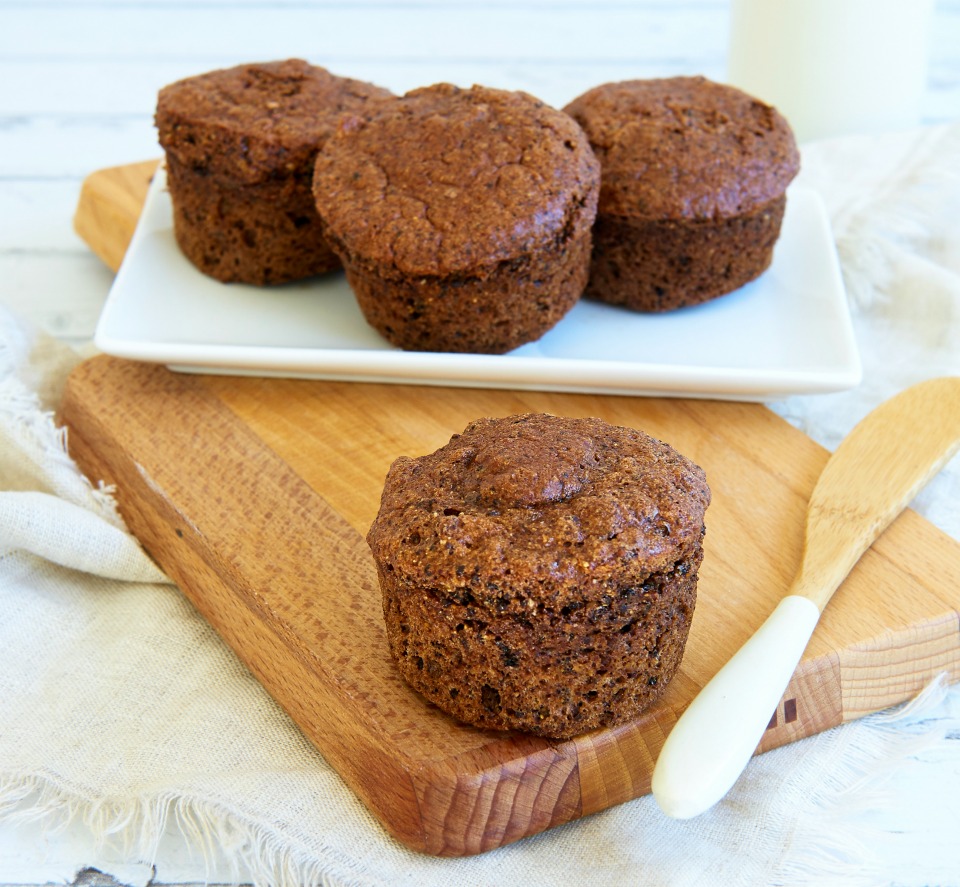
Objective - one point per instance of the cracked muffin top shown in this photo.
(256, 121)
(544, 503)
(444, 181)
(685, 148)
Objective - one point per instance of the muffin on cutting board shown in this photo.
(240, 145)
(462, 216)
(539, 573)
(694, 178)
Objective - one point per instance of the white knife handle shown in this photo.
(719, 732)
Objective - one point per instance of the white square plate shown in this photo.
(788, 332)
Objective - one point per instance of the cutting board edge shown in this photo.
(432, 806)
(430, 801)
(910, 660)
(108, 209)
(146, 522)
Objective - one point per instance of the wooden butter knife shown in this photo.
(871, 477)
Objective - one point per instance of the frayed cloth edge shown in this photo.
(42, 443)
(135, 827)
(824, 845)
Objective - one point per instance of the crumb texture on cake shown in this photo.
(445, 181)
(253, 122)
(693, 189)
(685, 148)
(539, 573)
(240, 145)
(463, 217)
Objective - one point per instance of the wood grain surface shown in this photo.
(255, 495)
(109, 207)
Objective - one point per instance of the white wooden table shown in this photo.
(78, 84)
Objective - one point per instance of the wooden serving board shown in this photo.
(255, 495)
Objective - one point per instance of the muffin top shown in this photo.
(256, 122)
(535, 508)
(445, 181)
(685, 148)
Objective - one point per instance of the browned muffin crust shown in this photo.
(240, 144)
(261, 234)
(462, 216)
(539, 573)
(692, 195)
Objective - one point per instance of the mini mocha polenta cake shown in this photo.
(240, 145)
(539, 573)
(462, 216)
(693, 189)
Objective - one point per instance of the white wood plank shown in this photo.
(196, 32)
(122, 88)
(56, 146)
(61, 292)
(37, 215)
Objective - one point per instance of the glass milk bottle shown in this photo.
(832, 67)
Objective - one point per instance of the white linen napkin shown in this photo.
(122, 710)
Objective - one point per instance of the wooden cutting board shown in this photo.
(255, 495)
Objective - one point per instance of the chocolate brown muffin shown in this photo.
(539, 573)
(240, 145)
(462, 216)
(694, 175)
